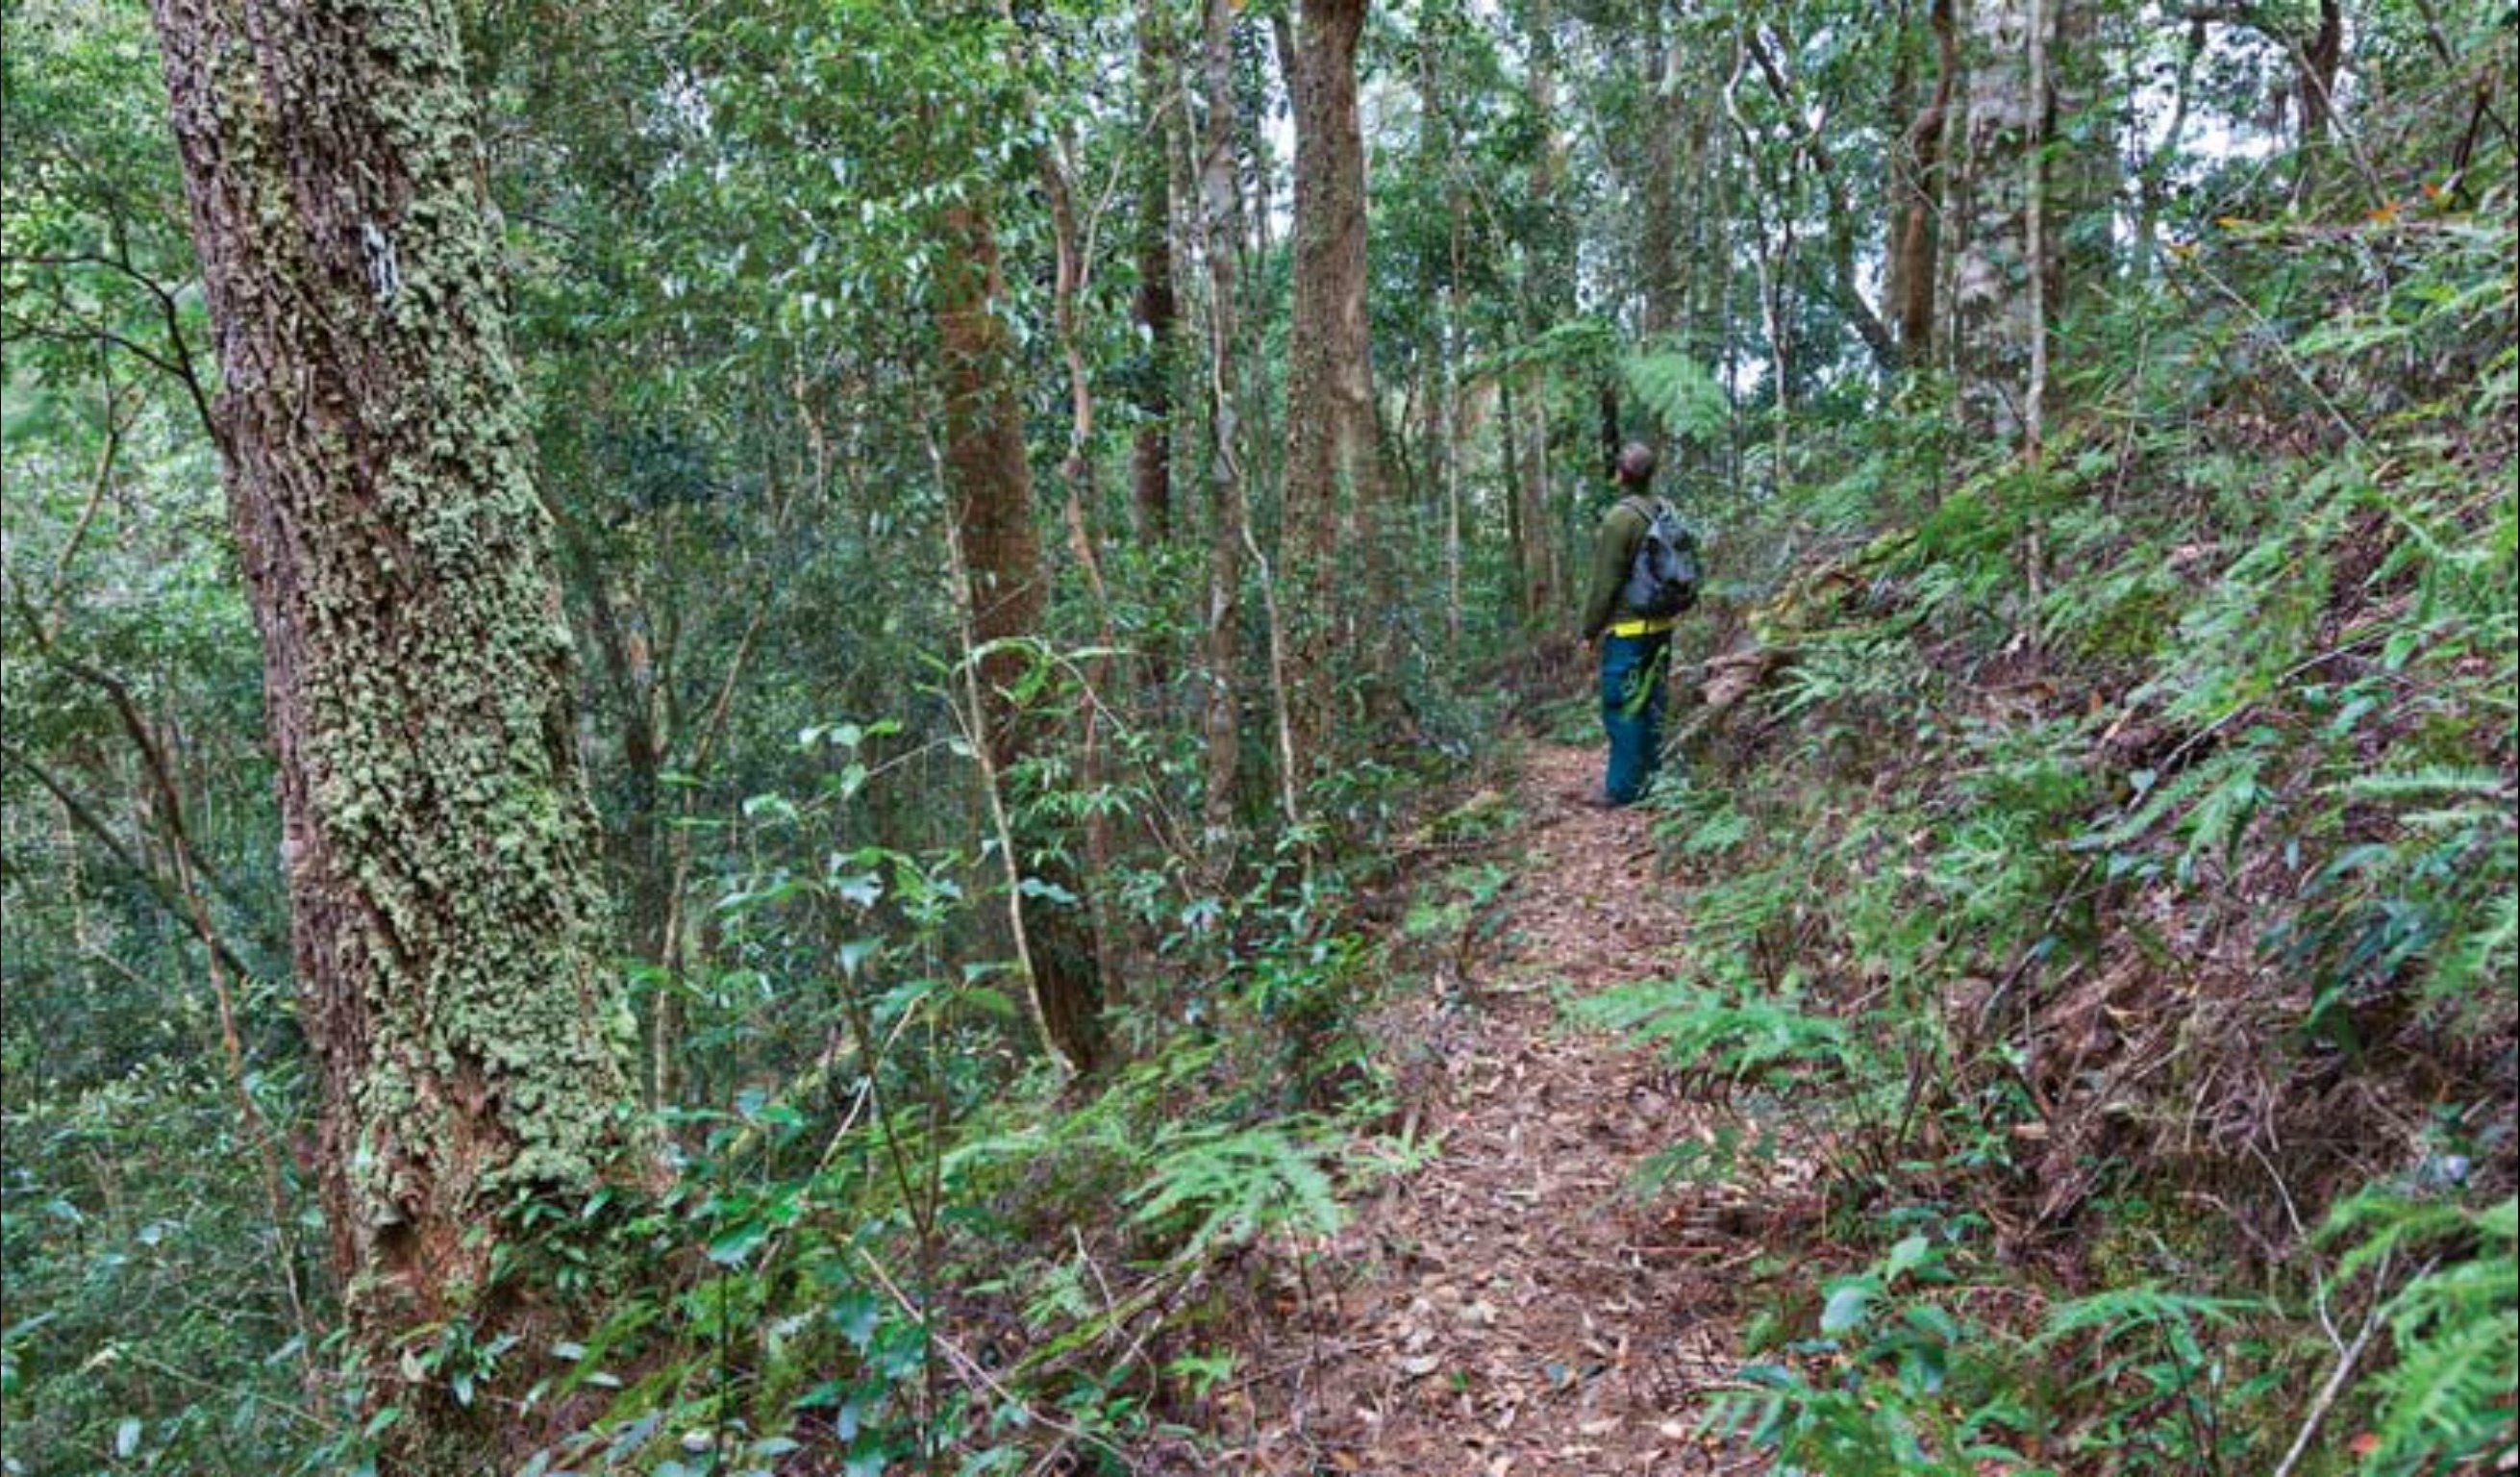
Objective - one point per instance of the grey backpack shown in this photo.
(1662, 579)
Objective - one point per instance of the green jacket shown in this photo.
(1614, 552)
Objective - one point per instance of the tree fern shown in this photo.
(1680, 390)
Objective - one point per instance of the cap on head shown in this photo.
(1636, 464)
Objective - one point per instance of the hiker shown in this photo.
(1645, 574)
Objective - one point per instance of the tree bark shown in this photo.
(1548, 300)
(1520, 535)
(1658, 257)
(1915, 192)
(437, 843)
(1447, 470)
(1007, 589)
(1995, 302)
(1435, 162)
(2036, 248)
(1333, 485)
(1150, 446)
(1220, 238)
(2317, 61)
(1074, 272)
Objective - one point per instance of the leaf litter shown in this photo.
(1510, 1306)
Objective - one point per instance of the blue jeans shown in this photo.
(1632, 697)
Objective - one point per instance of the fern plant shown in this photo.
(2454, 1326)
(1740, 1039)
(1228, 1186)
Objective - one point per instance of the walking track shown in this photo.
(1510, 1306)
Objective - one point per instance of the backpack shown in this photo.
(1662, 580)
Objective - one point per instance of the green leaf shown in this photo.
(1909, 1255)
(1847, 1306)
(855, 1312)
(733, 1246)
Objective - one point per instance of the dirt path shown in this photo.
(1506, 1308)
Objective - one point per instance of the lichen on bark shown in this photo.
(438, 843)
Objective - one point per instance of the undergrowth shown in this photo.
(2112, 886)
(912, 1258)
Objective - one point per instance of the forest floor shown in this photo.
(1509, 1306)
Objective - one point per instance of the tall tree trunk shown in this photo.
(1439, 404)
(1006, 589)
(1333, 485)
(1071, 241)
(2088, 173)
(1520, 534)
(1659, 256)
(1447, 348)
(1448, 332)
(1723, 298)
(1552, 536)
(1531, 431)
(441, 853)
(2317, 61)
(1706, 282)
(1552, 262)
(1434, 161)
(1220, 239)
(1548, 300)
(2035, 247)
(1151, 447)
(1995, 301)
(1916, 195)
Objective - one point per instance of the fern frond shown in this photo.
(2455, 1326)
(2430, 779)
(1238, 1185)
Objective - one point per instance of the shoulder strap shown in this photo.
(1648, 508)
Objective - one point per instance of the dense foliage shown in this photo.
(2095, 800)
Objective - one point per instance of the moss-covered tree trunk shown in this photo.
(437, 840)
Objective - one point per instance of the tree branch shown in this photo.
(1867, 323)
(160, 891)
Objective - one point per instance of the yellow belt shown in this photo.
(1646, 627)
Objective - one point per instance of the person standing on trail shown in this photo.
(1645, 574)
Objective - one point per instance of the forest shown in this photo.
(861, 736)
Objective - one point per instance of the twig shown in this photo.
(970, 1368)
(2344, 1371)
